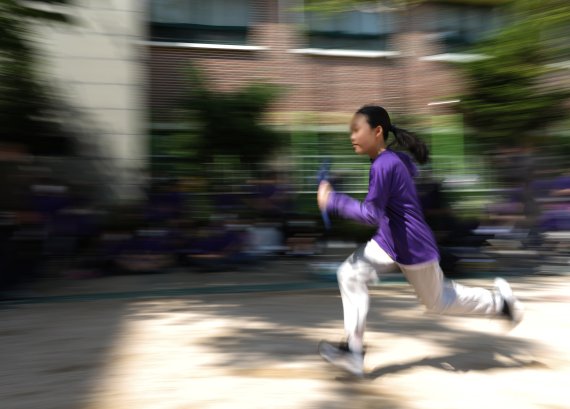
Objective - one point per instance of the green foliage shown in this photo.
(339, 6)
(508, 97)
(25, 100)
(229, 124)
(475, 2)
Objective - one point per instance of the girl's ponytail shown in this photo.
(412, 143)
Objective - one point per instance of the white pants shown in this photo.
(437, 293)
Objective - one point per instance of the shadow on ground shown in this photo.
(63, 356)
(268, 330)
(53, 357)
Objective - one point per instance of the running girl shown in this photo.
(403, 239)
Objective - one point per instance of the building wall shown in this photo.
(98, 66)
(313, 83)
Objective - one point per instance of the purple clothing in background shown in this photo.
(392, 204)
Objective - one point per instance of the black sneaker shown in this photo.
(513, 309)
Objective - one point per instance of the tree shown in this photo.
(338, 6)
(228, 124)
(26, 102)
(508, 98)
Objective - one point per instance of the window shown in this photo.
(463, 26)
(212, 21)
(355, 30)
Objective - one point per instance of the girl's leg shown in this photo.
(354, 275)
(444, 296)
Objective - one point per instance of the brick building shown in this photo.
(122, 65)
(328, 64)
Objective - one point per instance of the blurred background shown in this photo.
(156, 136)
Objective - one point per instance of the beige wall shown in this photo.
(98, 65)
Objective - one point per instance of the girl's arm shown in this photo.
(349, 208)
(370, 210)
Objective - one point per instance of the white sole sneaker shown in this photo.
(514, 308)
(349, 361)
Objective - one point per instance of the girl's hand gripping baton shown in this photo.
(324, 175)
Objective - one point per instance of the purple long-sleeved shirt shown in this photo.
(392, 204)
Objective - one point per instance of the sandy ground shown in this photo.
(258, 350)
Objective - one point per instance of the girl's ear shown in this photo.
(378, 132)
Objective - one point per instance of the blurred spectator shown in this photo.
(20, 227)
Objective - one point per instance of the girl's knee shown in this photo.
(344, 272)
(348, 273)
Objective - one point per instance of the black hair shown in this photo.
(378, 116)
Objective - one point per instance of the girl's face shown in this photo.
(365, 140)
